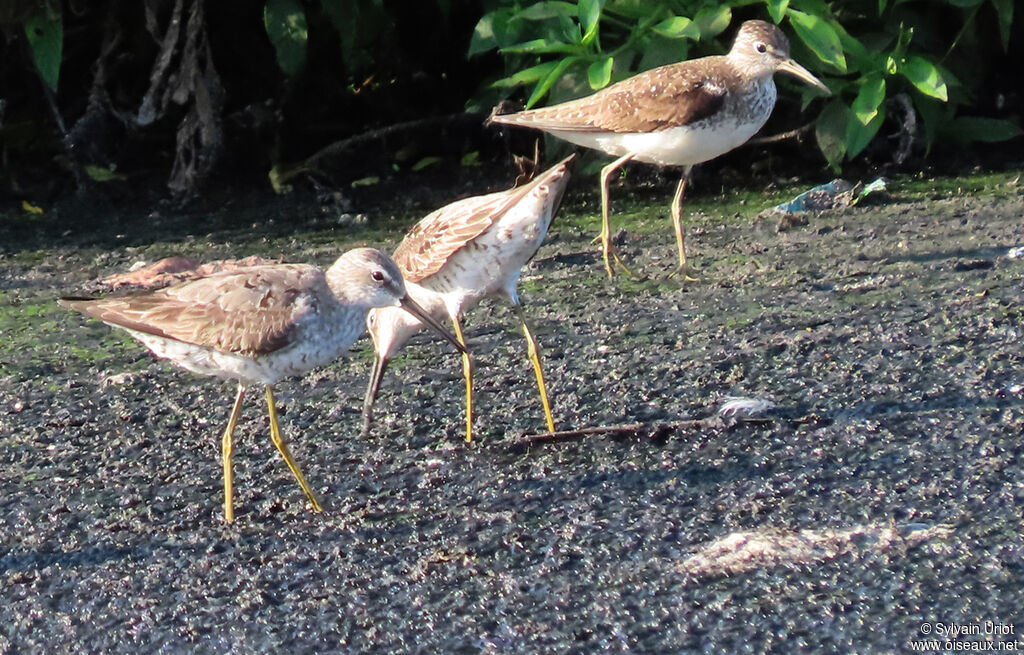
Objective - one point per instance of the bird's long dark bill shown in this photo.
(379, 364)
(417, 311)
(796, 70)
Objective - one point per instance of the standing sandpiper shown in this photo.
(461, 253)
(260, 324)
(676, 115)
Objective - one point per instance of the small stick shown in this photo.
(636, 430)
(782, 136)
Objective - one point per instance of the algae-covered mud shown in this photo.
(877, 505)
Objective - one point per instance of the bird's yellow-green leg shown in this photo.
(282, 447)
(467, 372)
(677, 204)
(227, 452)
(533, 352)
(608, 251)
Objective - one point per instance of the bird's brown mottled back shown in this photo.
(670, 96)
(432, 242)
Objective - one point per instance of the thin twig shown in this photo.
(282, 174)
(783, 136)
(632, 430)
(51, 100)
(389, 130)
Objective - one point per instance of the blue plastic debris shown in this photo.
(833, 195)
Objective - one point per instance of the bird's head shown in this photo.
(367, 277)
(370, 278)
(764, 49)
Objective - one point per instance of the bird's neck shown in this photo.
(431, 301)
(395, 326)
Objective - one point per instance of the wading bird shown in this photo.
(458, 255)
(676, 115)
(259, 325)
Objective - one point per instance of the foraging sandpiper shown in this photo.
(676, 115)
(461, 253)
(260, 324)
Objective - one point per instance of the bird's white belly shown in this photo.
(306, 352)
(204, 361)
(676, 146)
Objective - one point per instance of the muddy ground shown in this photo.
(880, 502)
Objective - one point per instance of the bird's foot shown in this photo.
(681, 272)
(611, 257)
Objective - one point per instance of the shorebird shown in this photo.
(676, 115)
(260, 324)
(461, 253)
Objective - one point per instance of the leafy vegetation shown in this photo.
(867, 52)
(44, 30)
(357, 23)
(111, 91)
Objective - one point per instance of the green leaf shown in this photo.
(869, 99)
(491, 31)
(546, 10)
(569, 30)
(925, 77)
(658, 51)
(934, 114)
(821, 8)
(364, 182)
(544, 85)
(539, 47)
(881, 7)
(285, 22)
(30, 208)
(830, 132)
(425, 162)
(948, 77)
(45, 33)
(864, 59)
(360, 22)
(1004, 12)
(483, 38)
(858, 135)
(677, 27)
(634, 10)
(819, 36)
(712, 21)
(777, 9)
(903, 41)
(966, 4)
(526, 76)
(590, 17)
(102, 173)
(471, 158)
(988, 130)
(599, 73)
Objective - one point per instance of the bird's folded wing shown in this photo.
(252, 311)
(431, 242)
(658, 99)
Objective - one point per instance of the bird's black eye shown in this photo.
(762, 48)
(377, 275)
